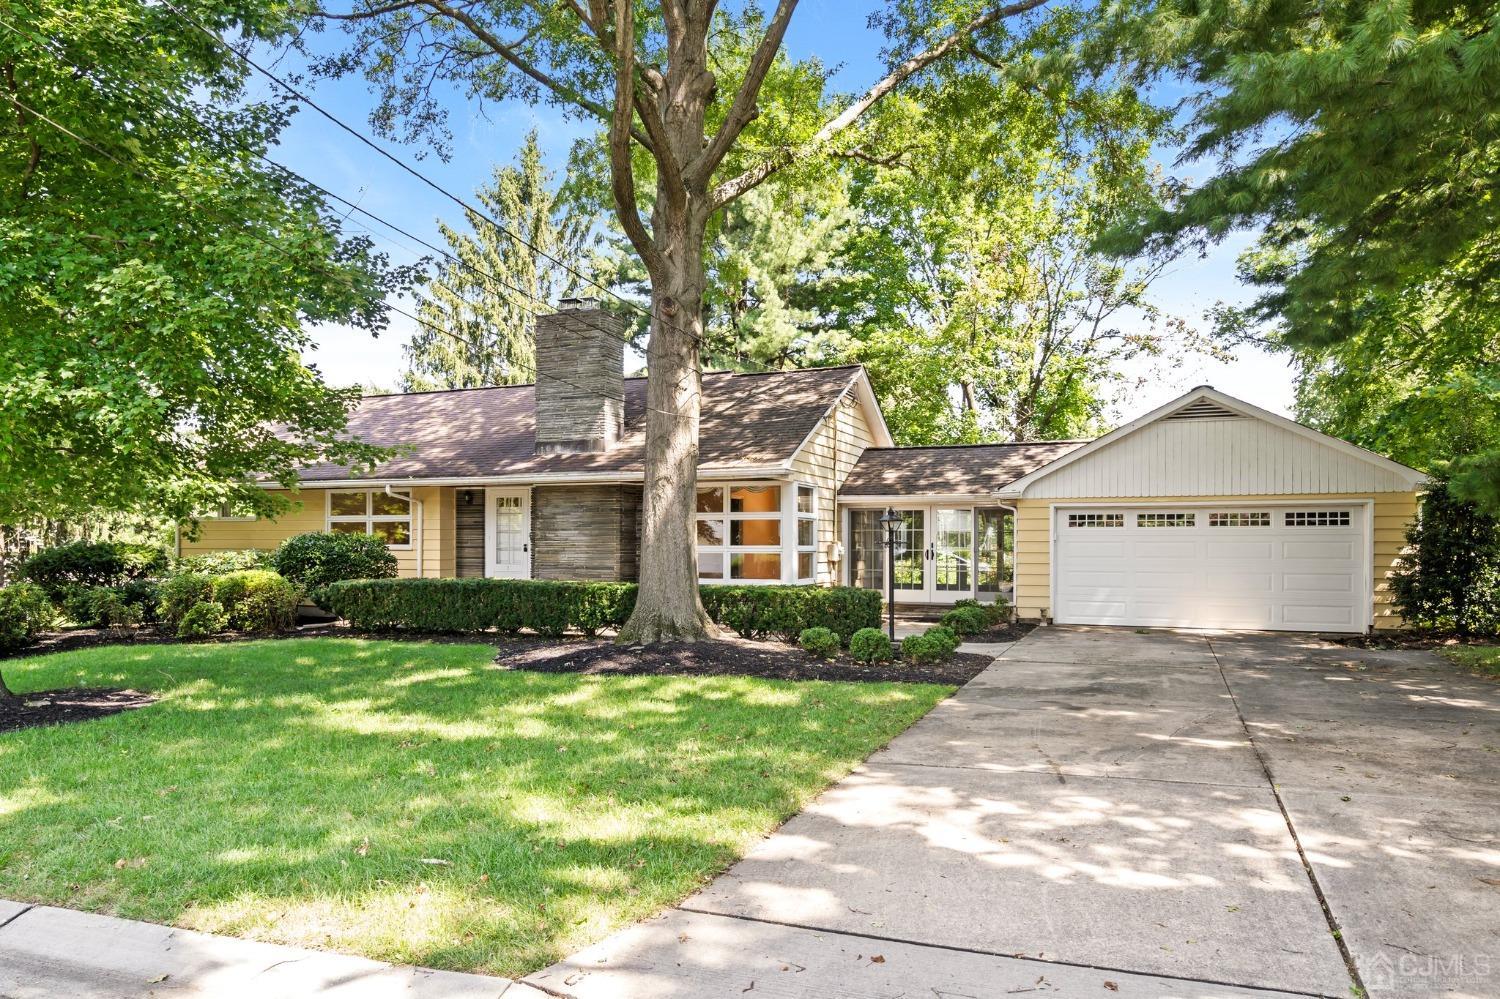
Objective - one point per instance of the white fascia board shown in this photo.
(723, 472)
(1017, 489)
(918, 499)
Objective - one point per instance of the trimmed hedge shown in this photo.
(314, 560)
(90, 564)
(552, 607)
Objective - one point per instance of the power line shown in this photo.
(40, 116)
(366, 140)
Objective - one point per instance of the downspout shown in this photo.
(417, 510)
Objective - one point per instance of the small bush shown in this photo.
(113, 607)
(205, 618)
(932, 646)
(90, 564)
(995, 614)
(181, 593)
(820, 642)
(970, 620)
(312, 561)
(257, 600)
(219, 563)
(25, 612)
(870, 645)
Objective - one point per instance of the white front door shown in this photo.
(1284, 568)
(507, 533)
(934, 552)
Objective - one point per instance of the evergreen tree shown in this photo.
(486, 301)
(1449, 577)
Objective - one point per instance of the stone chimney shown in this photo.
(580, 379)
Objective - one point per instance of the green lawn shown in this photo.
(295, 791)
(1483, 658)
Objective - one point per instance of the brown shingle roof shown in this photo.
(967, 470)
(748, 419)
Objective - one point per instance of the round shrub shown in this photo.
(257, 600)
(312, 561)
(995, 614)
(945, 636)
(923, 649)
(966, 620)
(203, 619)
(181, 593)
(870, 645)
(821, 642)
(25, 612)
(218, 563)
(97, 563)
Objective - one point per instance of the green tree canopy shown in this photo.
(481, 307)
(156, 276)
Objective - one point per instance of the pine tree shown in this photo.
(486, 301)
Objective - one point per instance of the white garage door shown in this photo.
(1281, 568)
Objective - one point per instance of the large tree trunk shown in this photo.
(667, 606)
(5, 692)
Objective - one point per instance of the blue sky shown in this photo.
(833, 30)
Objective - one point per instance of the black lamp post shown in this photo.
(891, 521)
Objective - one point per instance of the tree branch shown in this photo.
(622, 171)
(497, 45)
(744, 110)
(756, 175)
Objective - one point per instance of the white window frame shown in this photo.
(797, 516)
(369, 518)
(727, 551)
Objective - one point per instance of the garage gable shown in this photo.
(1206, 443)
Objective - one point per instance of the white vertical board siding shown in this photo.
(1215, 457)
(825, 461)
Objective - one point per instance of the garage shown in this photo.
(1275, 567)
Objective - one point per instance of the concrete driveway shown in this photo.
(1139, 814)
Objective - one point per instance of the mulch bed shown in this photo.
(67, 704)
(726, 657)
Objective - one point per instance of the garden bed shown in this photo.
(67, 704)
(725, 657)
(1406, 640)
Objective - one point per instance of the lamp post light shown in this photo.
(891, 521)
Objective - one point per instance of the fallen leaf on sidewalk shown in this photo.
(877, 959)
(157, 980)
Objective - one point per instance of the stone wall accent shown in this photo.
(580, 379)
(468, 533)
(586, 532)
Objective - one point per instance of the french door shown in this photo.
(934, 559)
(507, 533)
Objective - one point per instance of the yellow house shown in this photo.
(1207, 512)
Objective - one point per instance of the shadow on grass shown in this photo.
(408, 801)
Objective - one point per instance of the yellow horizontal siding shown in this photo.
(825, 461)
(309, 514)
(1393, 513)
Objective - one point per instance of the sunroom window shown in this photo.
(807, 533)
(370, 511)
(739, 532)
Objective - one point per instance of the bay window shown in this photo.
(739, 532)
(370, 511)
(807, 533)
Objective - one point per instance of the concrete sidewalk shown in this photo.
(47, 952)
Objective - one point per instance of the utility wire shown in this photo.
(40, 116)
(366, 140)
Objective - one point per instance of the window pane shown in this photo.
(807, 532)
(393, 506)
(711, 500)
(755, 499)
(866, 551)
(347, 505)
(710, 565)
(805, 565)
(765, 533)
(755, 565)
(392, 532)
(804, 499)
(711, 533)
(348, 527)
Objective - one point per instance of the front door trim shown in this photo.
(518, 564)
